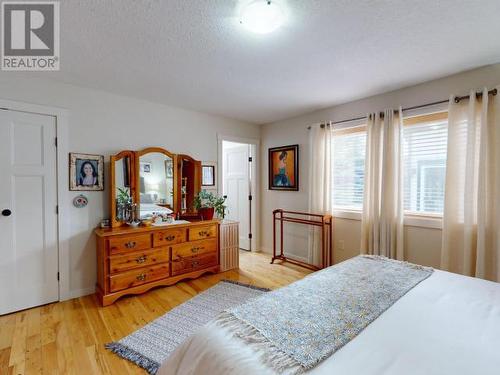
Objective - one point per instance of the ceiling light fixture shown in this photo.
(262, 16)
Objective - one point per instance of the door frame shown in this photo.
(254, 182)
(63, 229)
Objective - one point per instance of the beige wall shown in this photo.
(103, 123)
(422, 245)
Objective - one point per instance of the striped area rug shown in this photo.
(151, 345)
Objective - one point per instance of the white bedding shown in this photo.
(150, 208)
(448, 324)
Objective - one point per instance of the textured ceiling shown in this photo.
(194, 54)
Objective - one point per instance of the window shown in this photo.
(348, 168)
(424, 166)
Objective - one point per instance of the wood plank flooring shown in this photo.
(68, 337)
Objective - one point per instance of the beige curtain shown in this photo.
(320, 188)
(471, 219)
(382, 217)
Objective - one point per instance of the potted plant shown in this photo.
(207, 203)
(123, 200)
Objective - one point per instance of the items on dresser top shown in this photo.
(134, 260)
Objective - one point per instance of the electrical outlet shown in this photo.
(341, 245)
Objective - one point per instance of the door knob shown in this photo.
(6, 212)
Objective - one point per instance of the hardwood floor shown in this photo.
(68, 337)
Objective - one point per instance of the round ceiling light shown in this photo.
(262, 16)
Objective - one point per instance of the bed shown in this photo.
(148, 209)
(447, 324)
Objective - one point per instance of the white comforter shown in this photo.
(448, 324)
(150, 208)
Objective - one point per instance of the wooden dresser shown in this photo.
(134, 260)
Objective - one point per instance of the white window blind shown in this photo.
(348, 168)
(424, 165)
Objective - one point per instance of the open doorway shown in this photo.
(238, 185)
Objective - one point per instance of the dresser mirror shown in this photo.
(189, 183)
(122, 176)
(156, 182)
(150, 181)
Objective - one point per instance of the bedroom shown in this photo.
(188, 76)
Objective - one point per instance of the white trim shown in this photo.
(427, 110)
(347, 214)
(410, 220)
(288, 254)
(62, 125)
(296, 257)
(350, 124)
(255, 181)
(434, 222)
(81, 292)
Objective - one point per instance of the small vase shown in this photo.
(206, 213)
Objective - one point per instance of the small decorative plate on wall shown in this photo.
(80, 201)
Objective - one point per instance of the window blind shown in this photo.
(348, 168)
(424, 164)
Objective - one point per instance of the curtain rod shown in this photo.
(457, 100)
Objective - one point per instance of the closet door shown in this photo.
(28, 219)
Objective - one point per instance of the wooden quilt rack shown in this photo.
(325, 222)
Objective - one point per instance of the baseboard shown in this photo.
(79, 293)
(297, 257)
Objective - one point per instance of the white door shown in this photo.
(28, 220)
(236, 186)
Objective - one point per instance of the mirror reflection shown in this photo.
(122, 186)
(156, 184)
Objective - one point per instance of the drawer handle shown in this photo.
(141, 259)
(141, 277)
(194, 263)
(194, 250)
(170, 237)
(130, 244)
(204, 233)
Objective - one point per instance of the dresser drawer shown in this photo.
(202, 232)
(124, 244)
(194, 263)
(138, 276)
(119, 263)
(169, 237)
(194, 248)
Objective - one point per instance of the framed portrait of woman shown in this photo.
(284, 168)
(86, 172)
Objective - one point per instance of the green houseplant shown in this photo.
(206, 203)
(123, 200)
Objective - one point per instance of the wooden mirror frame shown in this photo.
(138, 154)
(112, 201)
(134, 157)
(196, 183)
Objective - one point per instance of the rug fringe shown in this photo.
(274, 358)
(246, 285)
(123, 351)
